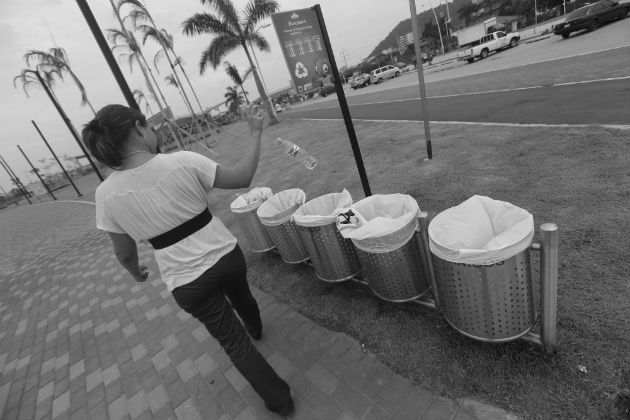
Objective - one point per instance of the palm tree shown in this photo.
(27, 79)
(56, 59)
(233, 31)
(140, 13)
(237, 78)
(140, 98)
(233, 99)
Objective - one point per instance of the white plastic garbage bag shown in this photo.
(481, 231)
(250, 200)
(380, 223)
(280, 207)
(322, 210)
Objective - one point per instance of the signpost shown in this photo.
(311, 62)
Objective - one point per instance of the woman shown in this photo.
(161, 198)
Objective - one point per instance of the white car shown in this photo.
(383, 73)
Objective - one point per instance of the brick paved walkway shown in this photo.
(79, 339)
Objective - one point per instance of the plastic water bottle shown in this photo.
(297, 153)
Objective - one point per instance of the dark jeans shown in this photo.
(205, 299)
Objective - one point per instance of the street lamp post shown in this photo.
(37, 173)
(438, 25)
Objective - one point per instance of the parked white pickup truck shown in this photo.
(495, 41)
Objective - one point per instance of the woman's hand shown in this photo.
(254, 116)
(142, 275)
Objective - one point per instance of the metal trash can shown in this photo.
(489, 303)
(244, 207)
(386, 246)
(275, 215)
(333, 256)
(481, 259)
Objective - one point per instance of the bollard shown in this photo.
(549, 286)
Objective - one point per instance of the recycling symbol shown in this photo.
(300, 70)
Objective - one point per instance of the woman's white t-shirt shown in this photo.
(161, 194)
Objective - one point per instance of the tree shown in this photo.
(27, 79)
(232, 31)
(233, 99)
(466, 12)
(237, 78)
(56, 60)
(141, 98)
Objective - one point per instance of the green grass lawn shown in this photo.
(578, 178)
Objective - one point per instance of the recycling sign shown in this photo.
(303, 48)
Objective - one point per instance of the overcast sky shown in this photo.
(354, 25)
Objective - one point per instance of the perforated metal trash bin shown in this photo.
(275, 215)
(395, 276)
(382, 229)
(490, 303)
(257, 237)
(333, 256)
(480, 252)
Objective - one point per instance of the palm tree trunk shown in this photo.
(273, 119)
(190, 85)
(90, 105)
(244, 94)
(81, 88)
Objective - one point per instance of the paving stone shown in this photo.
(61, 405)
(129, 330)
(374, 412)
(77, 369)
(187, 411)
(237, 380)
(280, 364)
(441, 408)
(137, 404)
(322, 378)
(390, 396)
(231, 401)
(45, 392)
(201, 334)
(161, 360)
(351, 399)
(177, 393)
(110, 374)
(380, 379)
(118, 409)
(324, 405)
(186, 370)
(157, 398)
(138, 352)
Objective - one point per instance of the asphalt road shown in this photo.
(589, 87)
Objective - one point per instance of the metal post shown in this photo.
(343, 104)
(16, 181)
(56, 158)
(423, 226)
(437, 22)
(423, 92)
(549, 286)
(37, 173)
(65, 119)
(109, 57)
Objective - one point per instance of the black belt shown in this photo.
(182, 231)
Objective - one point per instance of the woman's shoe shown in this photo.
(286, 410)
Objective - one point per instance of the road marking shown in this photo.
(581, 82)
(613, 126)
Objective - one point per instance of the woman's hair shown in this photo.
(105, 135)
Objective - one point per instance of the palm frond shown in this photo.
(259, 41)
(247, 73)
(232, 72)
(136, 16)
(171, 81)
(168, 38)
(218, 48)
(204, 23)
(159, 54)
(256, 11)
(226, 10)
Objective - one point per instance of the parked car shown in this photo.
(495, 41)
(591, 16)
(383, 73)
(327, 90)
(359, 80)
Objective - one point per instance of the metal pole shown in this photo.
(437, 22)
(343, 104)
(109, 57)
(423, 227)
(65, 118)
(423, 92)
(549, 286)
(56, 158)
(37, 173)
(16, 181)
